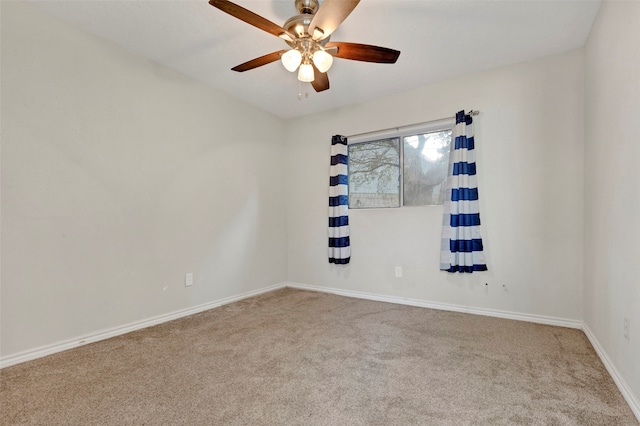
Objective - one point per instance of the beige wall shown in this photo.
(118, 177)
(612, 186)
(530, 169)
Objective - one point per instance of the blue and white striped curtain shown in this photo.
(461, 249)
(339, 244)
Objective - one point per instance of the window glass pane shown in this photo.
(374, 174)
(426, 162)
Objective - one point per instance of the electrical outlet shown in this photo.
(398, 271)
(188, 279)
(627, 325)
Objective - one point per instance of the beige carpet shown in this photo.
(294, 357)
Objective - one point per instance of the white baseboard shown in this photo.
(628, 395)
(117, 331)
(539, 319)
(127, 328)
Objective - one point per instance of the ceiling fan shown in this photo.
(307, 34)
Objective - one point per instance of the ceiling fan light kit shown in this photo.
(307, 35)
(294, 58)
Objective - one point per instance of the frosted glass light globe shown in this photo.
(291, 60)
(305, 74)
(322, 60)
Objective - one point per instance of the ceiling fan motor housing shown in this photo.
(298, 25)
(308, 7)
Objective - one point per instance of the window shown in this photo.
(405, 170)
(426, 162)
(374, 174)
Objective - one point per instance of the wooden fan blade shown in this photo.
(258, 62)
(330, 15)
(320, 80)
(364, 52)
(252, 19)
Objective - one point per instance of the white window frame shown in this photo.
(401, 133)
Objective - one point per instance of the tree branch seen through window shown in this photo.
(376, 179)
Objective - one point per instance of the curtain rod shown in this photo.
(397, 129)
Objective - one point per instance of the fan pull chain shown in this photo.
(306, 90)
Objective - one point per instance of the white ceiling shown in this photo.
(438, 40)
